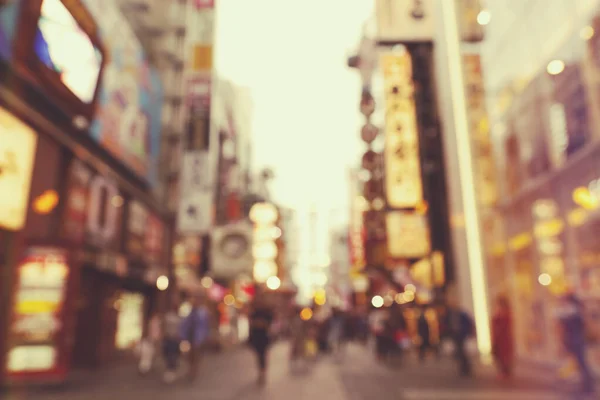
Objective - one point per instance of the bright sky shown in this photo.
(292, 54)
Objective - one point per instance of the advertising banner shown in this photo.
(479, 125)
(38, 345)
(402, 155)
(408, 235)
(405, 20)
(18, 143)
(195, 209)
(129, 112)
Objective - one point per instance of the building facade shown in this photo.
(85, 239)
(541, 67)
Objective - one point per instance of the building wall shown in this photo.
(546, 143)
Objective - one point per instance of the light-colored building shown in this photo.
(541, 66)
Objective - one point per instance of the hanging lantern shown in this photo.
(369, 132)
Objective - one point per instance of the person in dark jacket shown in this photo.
(261, 319)
(460, 328)
(424, 332)
(570, 313)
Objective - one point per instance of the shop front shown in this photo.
(79, 159)
(121, 246)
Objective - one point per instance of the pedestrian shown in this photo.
(171, 342)
(149, 345)
(298, 336)
(195, 331)
(337, 332)
(261, 319)
(502, 338)
(570, 313)
(424, 331)
(460, 329)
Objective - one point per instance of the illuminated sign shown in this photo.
(402, 158)
(38, 320)
(408, 235)
(65, 48)
(18, 143)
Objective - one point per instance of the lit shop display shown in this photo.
(18, 144)
(39, 325)
(402, 159)
(130, 320)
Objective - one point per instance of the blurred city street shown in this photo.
(231, 376)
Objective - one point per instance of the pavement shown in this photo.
(356, 376)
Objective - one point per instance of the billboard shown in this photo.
(125, 108)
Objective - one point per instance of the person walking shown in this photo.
(298, 337)
(424, 331)
(460, 328)
(171, 342)
(195, 330)
(149, 345)
(570, 313)
(502, 338)
(261, 319)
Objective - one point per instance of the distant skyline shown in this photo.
(292, 55)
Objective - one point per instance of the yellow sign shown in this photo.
(18, 143)
(408, 235)
(402, 160)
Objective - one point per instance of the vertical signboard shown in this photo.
(479, 126)
(404, 187)
(405, 20)
(195, 208)
(18, 143)
(38, 343)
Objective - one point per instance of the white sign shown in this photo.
(18, 143)
(195, 207)
(232, 250)
(405, 20)
(195, 213)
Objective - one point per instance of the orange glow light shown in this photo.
(46, 202)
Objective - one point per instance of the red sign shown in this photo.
(38, 343)
(200, 4)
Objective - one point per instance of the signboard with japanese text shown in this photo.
(408, 235)
(18, 143)
(402, 155)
